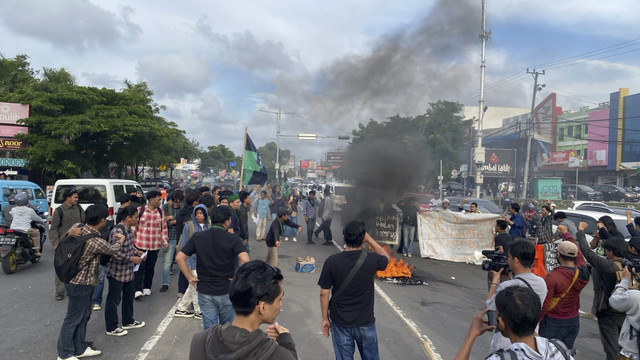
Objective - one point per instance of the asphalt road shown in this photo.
(413, 322)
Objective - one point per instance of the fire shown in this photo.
(395, 267)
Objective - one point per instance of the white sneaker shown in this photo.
(295, 240)
(89, 352)
(286, 238)
(138, 295)
(134, 325)
(97, 307)
(118, 332)
(146, 292)
(409, 255)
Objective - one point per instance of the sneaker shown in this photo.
(311, 242)
(96, 307)
(404, 254)
(138, 295)
(294, 239)
(89, 352)
(146, 292)
(286, 238)
(164, 288)
(171, 272)
(183, 313)
(327, 243)
(118, 332)
(198, 316)
(69, 358)
(59, 296)
(134, 325)
(409, 255)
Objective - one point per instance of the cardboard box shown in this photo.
(306, 265)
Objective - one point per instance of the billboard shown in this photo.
(498, 163)
(558, 157)
(546, 114)
(335, 157)
(11, 144)
(597, 157)
(10, 113)
(304, 164)
(8, 131)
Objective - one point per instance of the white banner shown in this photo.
(454, 236)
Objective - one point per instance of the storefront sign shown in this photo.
(498, 163)
(10, 113)
(7, 131)
(12, 162)
(11, 144)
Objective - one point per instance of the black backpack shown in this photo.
(67, 256)
(106, 233)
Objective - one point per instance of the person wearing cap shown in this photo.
(234, 204)
(276, 232)
(65, 215)
(560, 315)
(444, 206)
(609, 320)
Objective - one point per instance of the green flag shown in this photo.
(285, 190)
(253, 171)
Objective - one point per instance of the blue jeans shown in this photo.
(408, 233)
(169, 254)
(290, 231)
(216, 309)
(364, 336)
(97, 295)
(71, 340)
(565, 330)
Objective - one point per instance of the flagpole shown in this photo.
(244, 148)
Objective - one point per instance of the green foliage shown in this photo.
(75, 130)
(218, 157)
(268, 154)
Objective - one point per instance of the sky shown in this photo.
(221, 66)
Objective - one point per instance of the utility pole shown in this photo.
(530, 128)
(279, 115)
(484, 36)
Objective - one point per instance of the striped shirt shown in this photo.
(151, 231)
(121, 268)
(88, 263)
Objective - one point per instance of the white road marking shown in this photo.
(430, 349)
(153, 340)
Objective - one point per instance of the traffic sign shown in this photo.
(162, 167)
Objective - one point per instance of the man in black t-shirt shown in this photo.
(502, 239)
(349, 314)
(217, 253)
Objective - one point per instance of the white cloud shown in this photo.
(175, 73)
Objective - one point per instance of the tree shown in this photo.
(268, 154)
(217, 158)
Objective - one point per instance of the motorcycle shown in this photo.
(16, 247)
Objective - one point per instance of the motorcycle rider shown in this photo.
(22, 216)
(6, 211)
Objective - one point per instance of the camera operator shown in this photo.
(518, 312)
(560, 316)
(520, 258)
(609, 320)
(627, 301)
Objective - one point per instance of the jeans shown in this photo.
(290, 231)
(565, 330)
(169, 253)
(143, 278)
(364, 336)
(97, 295)
(216, 309)
(326, 228)
(408, 233)
(71, 340)
(311, 225)
(119, 291)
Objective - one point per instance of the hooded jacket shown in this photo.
(191, 227)
(228, 342)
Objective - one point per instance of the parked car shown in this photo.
(603, 208)
(453, 188)
(484, 206)
(423, 200)
(584, 193)
(93, 191)
(153, 184)
(591, 218)
(616, 193)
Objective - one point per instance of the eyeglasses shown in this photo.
(277, 274)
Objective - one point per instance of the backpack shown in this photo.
(106, 233)
(559, 345)
(142, 210)
(67, 256)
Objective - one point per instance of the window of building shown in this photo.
(570, 131)
(561, 134)
(586, 129)
(578, 132)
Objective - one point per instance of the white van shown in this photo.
(92, 191)
(339, 192)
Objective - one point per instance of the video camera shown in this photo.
(633, 264)
(496, 261)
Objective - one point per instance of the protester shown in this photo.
(501, 238)
(199, 222)
(277, 201)
(545, 227)
(256, 296)
(261, 211)
(119, 272)
(275, 235)
(310, 211)
(71, 340)
(520, 258)
(444, 206)
(409, 223)
(150, 235)
(561, 218)
(171, 210)
(348, 276)
(560, 315)
(628, 302)
(217, 252)
(243, 215)
(65, 215)
(518, 312)
(234, 204)
(530, 215)
(516, 221)
(327, 217)
(292, 206)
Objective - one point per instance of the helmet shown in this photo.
(11, 199)
(21, 199)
